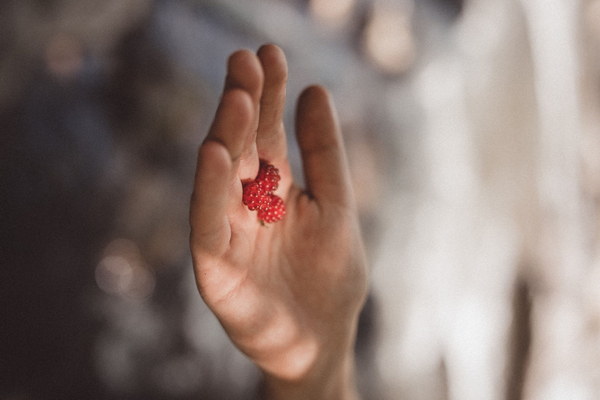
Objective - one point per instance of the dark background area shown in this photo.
(102, 105)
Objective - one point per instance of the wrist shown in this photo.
(332, 377)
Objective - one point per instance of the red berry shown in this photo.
(253, 196)
(268, 177)
(258, 194)
(274, 211)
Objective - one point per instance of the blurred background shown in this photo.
(473, 133)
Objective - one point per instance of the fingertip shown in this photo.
(274, 62)
(316, 93)
(268, 47)
(244, 71)
(239, 57)
(314, 109)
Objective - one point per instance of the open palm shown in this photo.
(288, 294)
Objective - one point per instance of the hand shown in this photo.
(288, 294)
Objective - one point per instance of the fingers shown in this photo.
(322, 149)
(236, 119)
(271, 140)
(210, 200)
(244, 71)
(233, 122)
(263, 77)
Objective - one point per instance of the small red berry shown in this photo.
(258, 194)
(268, 177)
(253, 196)
(274, 211)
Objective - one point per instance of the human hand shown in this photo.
(288, 294)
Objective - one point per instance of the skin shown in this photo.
(288, 294)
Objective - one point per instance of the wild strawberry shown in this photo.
(268, 177)
(253, 196)
(258, 194)
(274, 211)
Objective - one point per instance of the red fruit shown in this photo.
(253, 196)
(268, 177)
(274, 211)
(258, 194)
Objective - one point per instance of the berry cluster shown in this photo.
(258, 194)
